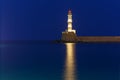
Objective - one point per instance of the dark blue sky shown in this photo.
(46, 19)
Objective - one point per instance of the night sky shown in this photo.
(46, 19)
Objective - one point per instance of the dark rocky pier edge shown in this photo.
(88, 41)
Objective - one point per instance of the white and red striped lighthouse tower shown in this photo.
(70, 22)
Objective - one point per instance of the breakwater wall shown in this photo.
(72, 37)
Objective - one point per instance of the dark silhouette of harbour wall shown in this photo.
(72, 37)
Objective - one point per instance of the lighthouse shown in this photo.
(70, 22)
(69, 35)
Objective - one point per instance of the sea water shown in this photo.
(59, 61)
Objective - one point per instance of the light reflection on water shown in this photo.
(70, 62)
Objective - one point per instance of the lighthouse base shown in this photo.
(69, 37)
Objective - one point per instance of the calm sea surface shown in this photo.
(57, 61)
